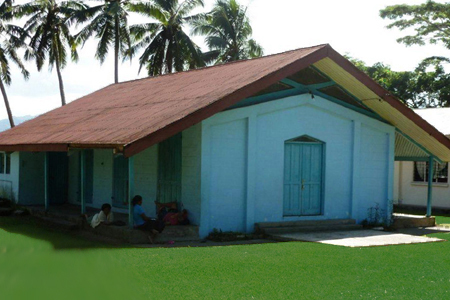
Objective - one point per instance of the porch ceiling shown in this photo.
(407, 150)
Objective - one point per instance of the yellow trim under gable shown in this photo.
(382, 108)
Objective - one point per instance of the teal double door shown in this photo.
(120, 182)
(303, 178)
(86, 161)
(169, 170)
(57, 177)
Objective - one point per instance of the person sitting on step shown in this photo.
(143, 222)
(105, 216)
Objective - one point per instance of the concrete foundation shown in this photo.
(412, 221)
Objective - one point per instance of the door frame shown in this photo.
(323, 168)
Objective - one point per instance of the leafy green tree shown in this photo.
(10, 40)
(166, 46)
(430, 21)
(48, 27)
(427, 86)
(109, 23)
(432, 87)
(228, 33)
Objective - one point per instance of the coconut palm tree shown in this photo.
(228, 33)
(166, 46)
(48, 26)
(10, 40)
(109, 23)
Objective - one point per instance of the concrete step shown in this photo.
(59, 223)
(179, 233)
(6, 211)
(5, 203)
(55, 215)
(292, 229)
(134, 236)
(308, 223)
(122, 234)
(412, 221)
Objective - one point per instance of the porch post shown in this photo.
(46, 202)
(430, 185)
(130, 189)
(82, 176)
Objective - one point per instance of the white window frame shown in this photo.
(4, 163)
(425, 179)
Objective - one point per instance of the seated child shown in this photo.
(105, 216)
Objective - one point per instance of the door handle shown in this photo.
(303, 184)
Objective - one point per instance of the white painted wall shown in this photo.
(190, 172)
(376, 169)
(397, 178)
(243, 161)
(31, 178)
(9, 183)
(416, 193)
(228, 175)
(146, 174)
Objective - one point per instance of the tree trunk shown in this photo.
(116, 50)
(61, 85)
(8, 109)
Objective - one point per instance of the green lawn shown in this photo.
(38, 263)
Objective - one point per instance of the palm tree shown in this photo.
(10, 40)
(109, 23)
(167, 47)
(228, 33)
(48, 26)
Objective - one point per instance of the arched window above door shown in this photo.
(304, 139)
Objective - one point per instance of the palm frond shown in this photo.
(148, 10)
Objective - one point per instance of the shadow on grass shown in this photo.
(65, 240)
(420, 231)
(60, 239)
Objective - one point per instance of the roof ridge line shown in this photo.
(219, 65)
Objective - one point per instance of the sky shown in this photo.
(351, 27)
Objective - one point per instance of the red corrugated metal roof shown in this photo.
(134, 115)
(123, 113)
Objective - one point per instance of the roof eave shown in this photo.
(393, 101)
(225, 102)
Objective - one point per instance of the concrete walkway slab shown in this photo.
(356, 238)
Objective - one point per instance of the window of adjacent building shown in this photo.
(440, 172)
(5, 163)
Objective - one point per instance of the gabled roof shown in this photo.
(134, 115)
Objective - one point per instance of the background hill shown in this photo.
(4, 123)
